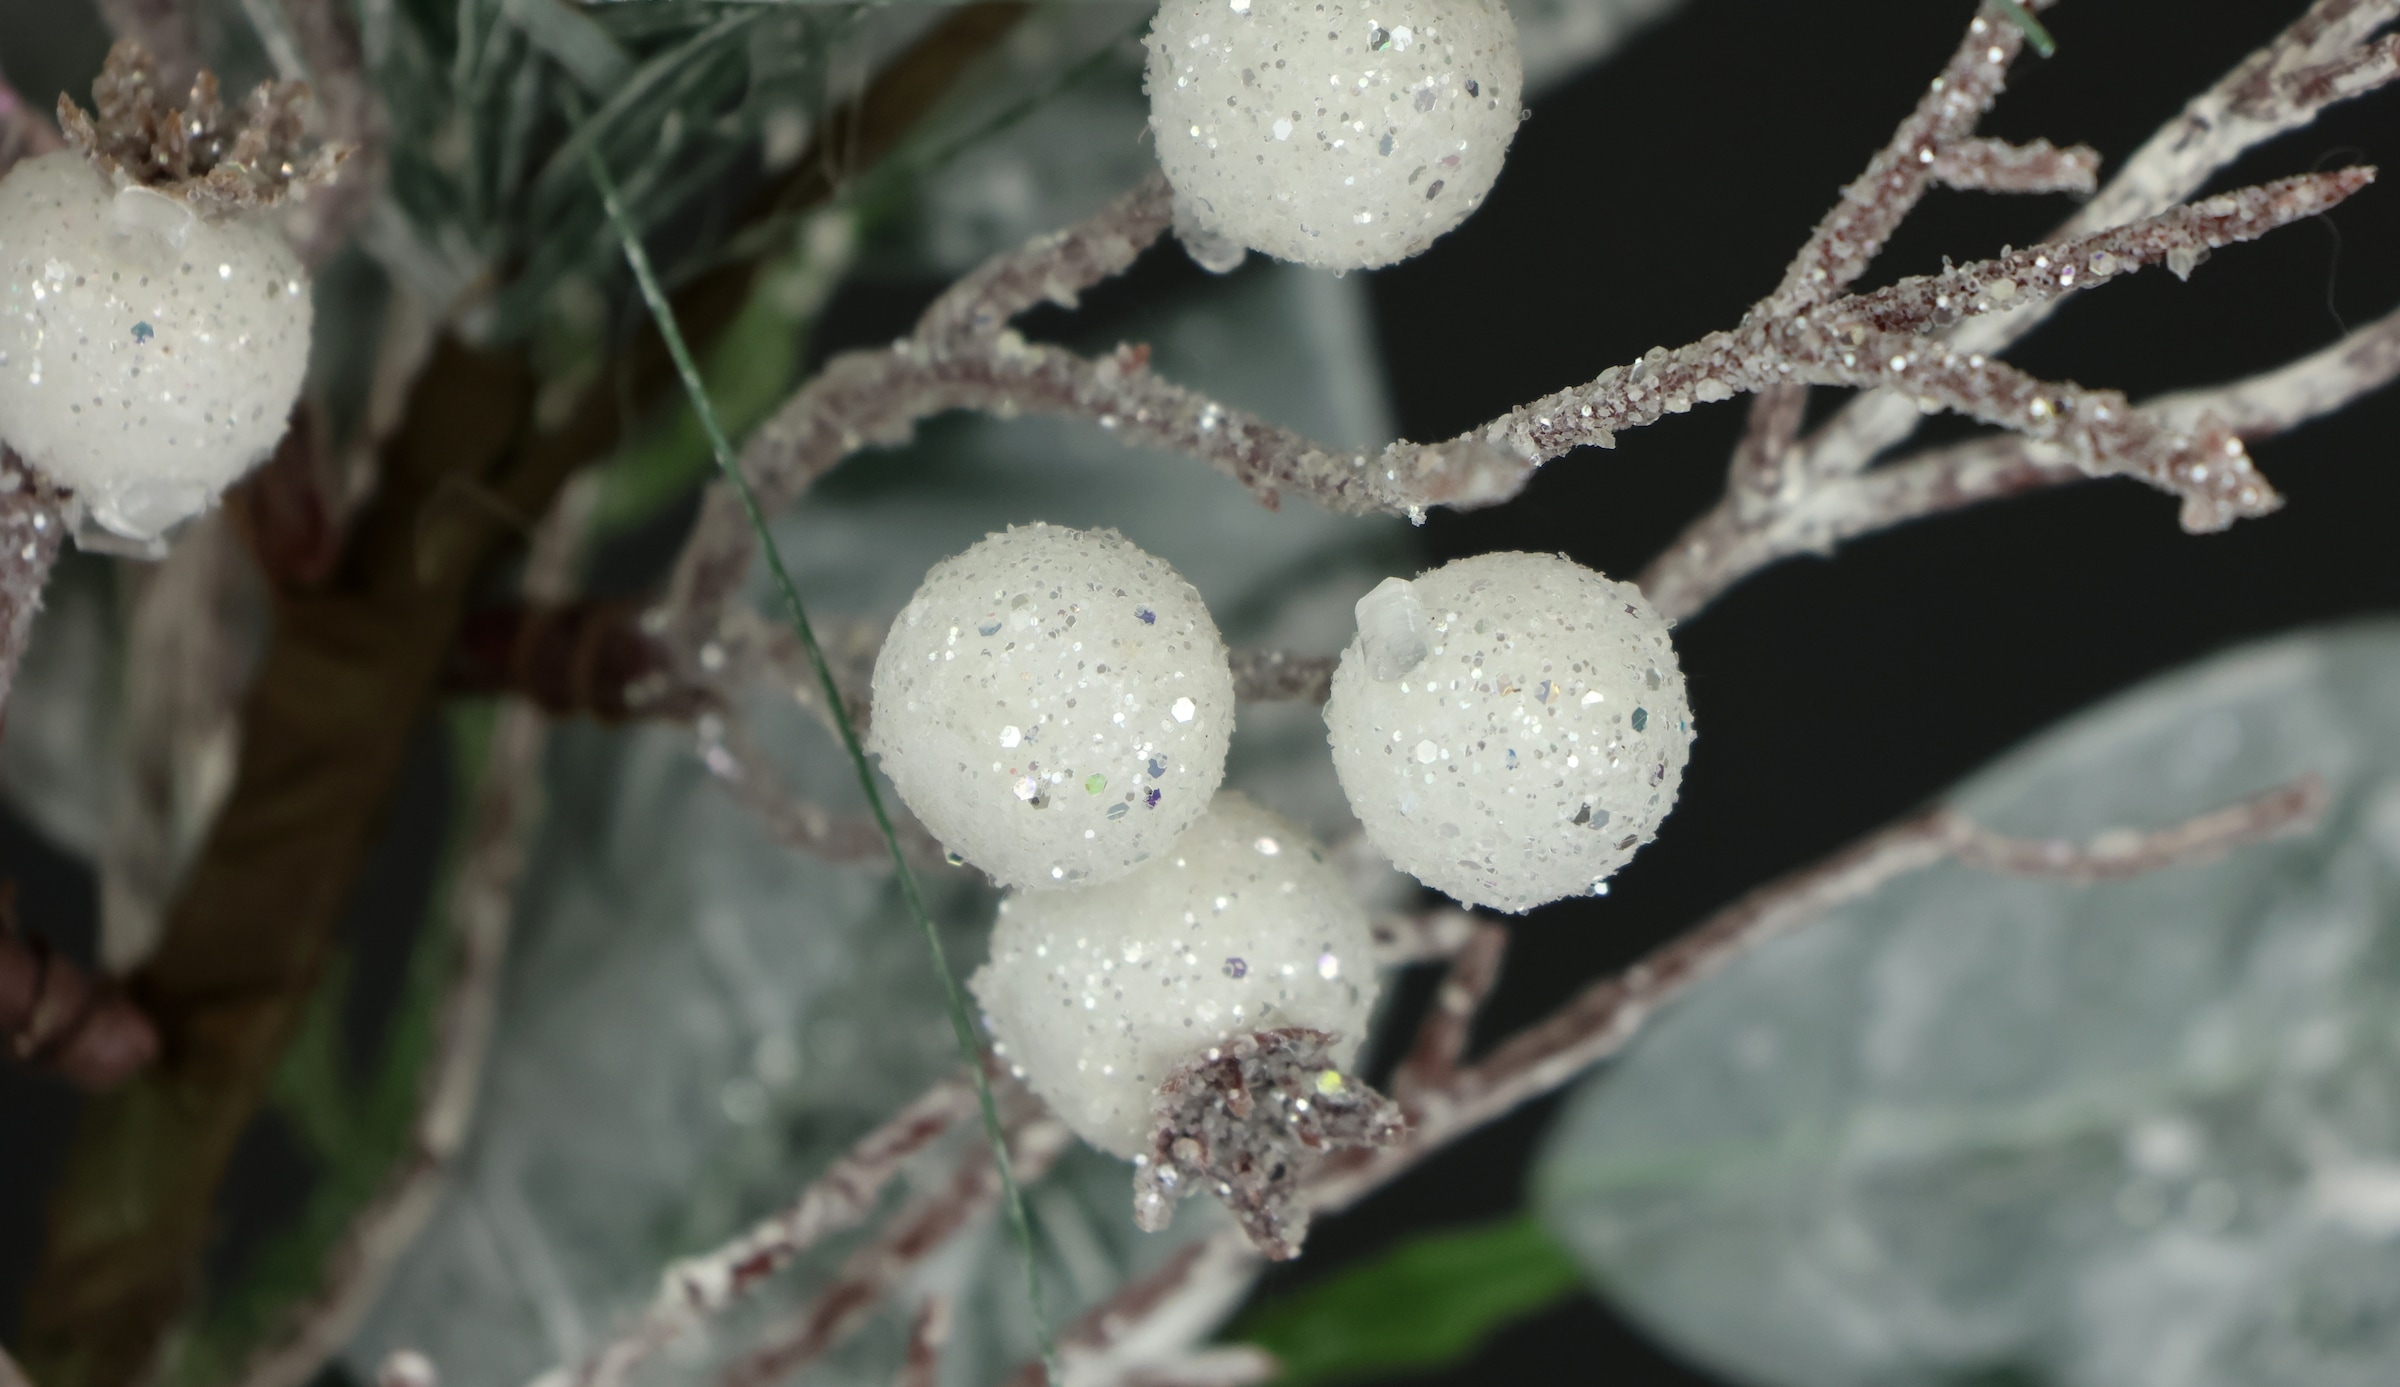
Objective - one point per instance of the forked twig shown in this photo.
(1155, 1317)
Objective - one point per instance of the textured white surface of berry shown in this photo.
(1054, 704)
(1509, 728)
(1096, 995)
(148, 356)
(1347, 134)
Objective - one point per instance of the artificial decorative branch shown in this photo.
(698, 1288)
(963, 355)
(1758, 525)
(1181, 1303)
(919, 1230)
(921, 1363)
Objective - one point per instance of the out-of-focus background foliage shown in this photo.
(1964, 1132)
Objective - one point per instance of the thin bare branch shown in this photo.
(2178, 238)
(1278, 676)
(1425, 936)
(1996, 166)
(915, 1234)
(1757, 480)
(2326, 56)
(1154, 1321)
(1187, 1298)
(752, 778)
(921, 1364)
(1605, 1017)
(2128, 852)
(1443, 1035)
(1726, 545)
(699, 1288)
(1224, 1365)
(1874, 205)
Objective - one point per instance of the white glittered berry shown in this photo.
(1096, 995)
(1346, 134)
(1054, 704)
(149, 356)
(1509, 727)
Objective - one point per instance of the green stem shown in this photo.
(962, 1022)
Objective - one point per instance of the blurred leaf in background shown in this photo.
(1987, 1129)
(1427, 1304)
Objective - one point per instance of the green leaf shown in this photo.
(1426, 1304)
(1992, 1129)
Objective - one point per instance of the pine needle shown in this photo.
(2035, 33)
(962, 1021)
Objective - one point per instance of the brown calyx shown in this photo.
(220, 160)
(1246, 1121)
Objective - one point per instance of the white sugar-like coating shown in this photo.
(1096, 995)
(148, 356)
(1055, 705)
(1346, 134)
(1509, 727)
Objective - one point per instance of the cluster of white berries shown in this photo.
(149, 355)
(1056, 705)
(1346, 134)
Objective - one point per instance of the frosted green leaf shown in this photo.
(1993, 1130)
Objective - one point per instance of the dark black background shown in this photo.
(1650, 202)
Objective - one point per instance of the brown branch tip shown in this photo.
(218, 160)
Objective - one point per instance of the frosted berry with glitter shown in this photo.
(1097, 996)
(1510, 728)
(1055, 705)
(154, 323)
(1342, 134)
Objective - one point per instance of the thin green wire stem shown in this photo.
(962, 1022)
(2035, 34)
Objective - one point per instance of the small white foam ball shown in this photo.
(1509, 728)
(1338, 134)
(149, 356)
(1054, 704)
(1095, 996)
